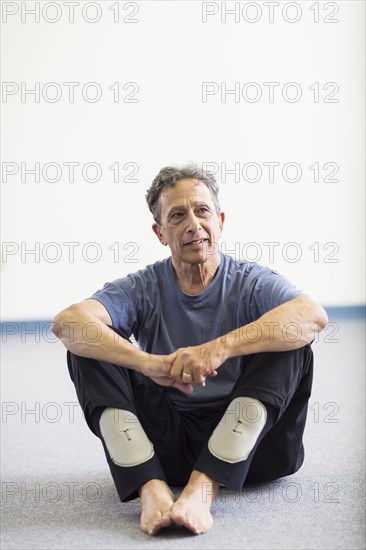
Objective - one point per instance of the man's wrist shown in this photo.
(146, 366)
(225, 345)
(131, 358)
(234, 344)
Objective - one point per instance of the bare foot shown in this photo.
(192, 509)
(157, 500)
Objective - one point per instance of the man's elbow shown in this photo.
(322, 317)
(316, 314)
(62, 319)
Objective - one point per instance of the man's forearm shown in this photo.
(84, 334)
(289, 326)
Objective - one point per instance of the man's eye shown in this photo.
(203, 209)
(176, 215)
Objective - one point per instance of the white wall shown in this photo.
(169, 52)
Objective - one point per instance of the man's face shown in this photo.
(190, 225)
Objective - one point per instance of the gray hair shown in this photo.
(169, 176)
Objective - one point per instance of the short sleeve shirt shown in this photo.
(150, 305)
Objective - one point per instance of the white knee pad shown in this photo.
(124, 437)
(238, 430)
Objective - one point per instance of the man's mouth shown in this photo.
(196, 242)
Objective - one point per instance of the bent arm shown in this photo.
(289, 326)
(83, 329)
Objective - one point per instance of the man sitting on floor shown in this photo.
(218, 389)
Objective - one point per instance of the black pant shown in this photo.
(280, 380)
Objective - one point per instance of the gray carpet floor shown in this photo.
(57, 492)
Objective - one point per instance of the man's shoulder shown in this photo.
(149, 273)
(252, 276)
(246, 268)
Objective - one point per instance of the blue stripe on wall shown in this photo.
(352, 312)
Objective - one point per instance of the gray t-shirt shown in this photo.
(150, 305)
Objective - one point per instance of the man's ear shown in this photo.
(156, 229)
(221, 220)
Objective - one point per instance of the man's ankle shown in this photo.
(152, 484)
(199, 477)
(199, 481)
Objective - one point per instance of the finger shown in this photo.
(187, 377)
(176, 370)
(200, 380)
(195, 378)
(185, 388)
(212, 373)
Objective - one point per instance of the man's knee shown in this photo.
(238, 431)
(125, 438)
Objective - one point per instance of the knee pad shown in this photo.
(238, 430)
(124, 437)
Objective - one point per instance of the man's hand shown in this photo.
(193, 364)
(157, 367)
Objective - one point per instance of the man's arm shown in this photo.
(83, 329)
(289, 326)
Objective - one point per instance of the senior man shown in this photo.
(216, 393)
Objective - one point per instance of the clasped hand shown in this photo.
(186, 366)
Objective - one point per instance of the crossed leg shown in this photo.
(192, 509)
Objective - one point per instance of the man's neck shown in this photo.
(194, 278)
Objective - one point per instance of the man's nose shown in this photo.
(193, 223)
